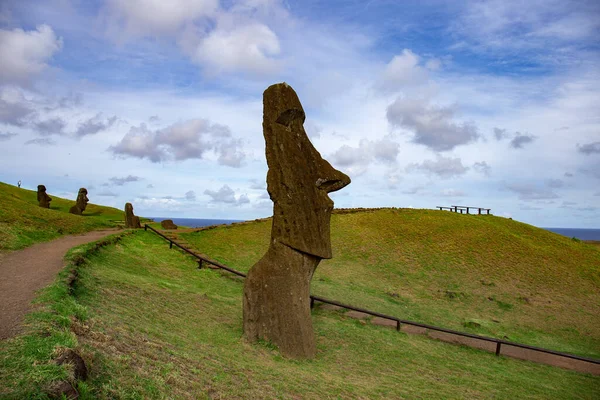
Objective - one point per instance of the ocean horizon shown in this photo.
(581, 234)
(196, 222)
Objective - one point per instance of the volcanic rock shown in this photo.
(276, 303)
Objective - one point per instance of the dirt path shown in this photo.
(23, 272)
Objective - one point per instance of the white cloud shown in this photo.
(521, 140)
(190, 195)
(94, 125)
(181, 141)
(404, 71)
(107, 193)
(433, 126)
(500, 134)
(53, 126)
(357, 159)
(226, 195)
(589, 148)
(452, 193)
(555, 183)
(243, 199)
(482, 167)
(42, 142)
(159, 204)
(530, 192)
(519, 28)
(25, 54)
(14, 108)
(231, 47)
(443, 167)
(6, 136)
(127, 179)
(154, 17)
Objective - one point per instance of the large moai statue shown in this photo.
(131, 221)
(277, 290)
(81, 202)
(42, 197)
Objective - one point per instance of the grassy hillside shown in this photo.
(481, 274)
(23, 222)
(152, 326)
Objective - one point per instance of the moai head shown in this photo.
(299, 179)
(42, 197)
(82, 199)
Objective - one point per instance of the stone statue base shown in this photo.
(277, 301)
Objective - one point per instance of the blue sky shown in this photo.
(482, 103)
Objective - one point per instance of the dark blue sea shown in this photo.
(196, 222)
(582, 234)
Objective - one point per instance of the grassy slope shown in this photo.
(157, 327)
(516, 281)
(23, 222)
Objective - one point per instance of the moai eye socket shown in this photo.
(288, 116)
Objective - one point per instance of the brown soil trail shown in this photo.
(24, 272)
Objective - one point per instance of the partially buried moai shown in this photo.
(277, 290)
(131, 221)
(42, 197)
(80, 203)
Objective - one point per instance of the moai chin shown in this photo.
(131, 221)
(42, 197)
(81, 202)
(277, 290)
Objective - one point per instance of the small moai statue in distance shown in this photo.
(276, 301)
(81, 202)
(168, 224)
(131, 221)
(42, 197)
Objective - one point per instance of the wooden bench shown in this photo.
(466, 208)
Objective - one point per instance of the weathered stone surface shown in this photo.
(81, 202)
(276, 291)
(42, 197)
(168, 224)
(131, 221)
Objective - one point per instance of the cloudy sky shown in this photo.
(422, 103)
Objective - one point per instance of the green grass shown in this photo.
(151, 325)
(156, 327)
(522, 283)
(23, 222)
